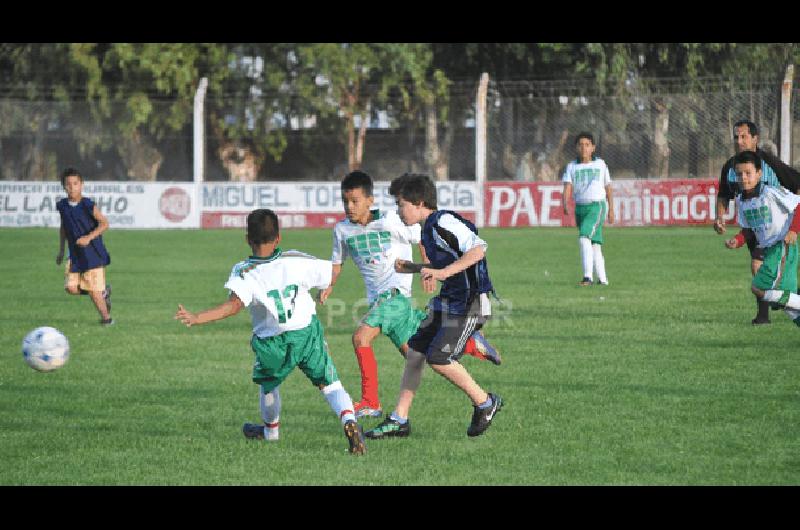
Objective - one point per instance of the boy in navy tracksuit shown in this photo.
(457, 259)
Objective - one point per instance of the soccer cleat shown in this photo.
(355, 437)
(585, 281)
(482, 418)
(107, 322)
(760, 321)
(486, 349)
(252, 431)
(388, 428)
(107, 297)
(364, 410)
(598, 282)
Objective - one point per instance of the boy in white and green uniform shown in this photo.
(374, 240)
(589, 178)
(287, 334)
(772, 214)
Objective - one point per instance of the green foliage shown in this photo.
(657, 379)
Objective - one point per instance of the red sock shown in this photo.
(369, 375)
(471, 349)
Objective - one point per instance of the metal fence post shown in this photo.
(786, 115)
(199, 145)
(480, 147)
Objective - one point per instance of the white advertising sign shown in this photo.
(125, 204)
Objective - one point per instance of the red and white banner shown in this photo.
(309, 204)
(319, 204)
(636, 203)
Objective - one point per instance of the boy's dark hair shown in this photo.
(747, 157)
(397, 184)
(586, 135)
(414, 188)
(752, 127)
(357, 179)
(70, 172)
(262, 227)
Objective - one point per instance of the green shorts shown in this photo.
(305, 348)
(779, 269)
(589, 218)
(393, 314)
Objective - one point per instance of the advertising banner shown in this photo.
(125, 204)
(636, 203)
(309, 204)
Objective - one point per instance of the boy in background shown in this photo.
(82, 226)
(274, 285)
(770, 213)
(588, 176)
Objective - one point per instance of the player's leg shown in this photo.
(314, 360)
(597, 248)
(397, 423)
(94, 281)
(775, 282)
(782, 265)
(270, 405)
(585, 219)
(72, 281)
(756, 259)
(369, 404)
(443, 361)
(274, 361)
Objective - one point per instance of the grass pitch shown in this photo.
(657, 379)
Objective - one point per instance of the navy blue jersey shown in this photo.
(77, 221)
(446, 236)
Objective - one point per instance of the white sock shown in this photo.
(340, 401)
(794, 314)
(774, 295)
(599, 263)
(586, 256)
(270, 412)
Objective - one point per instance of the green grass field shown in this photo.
(657, 379)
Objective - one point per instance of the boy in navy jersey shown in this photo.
(457, 259)
(82, 226)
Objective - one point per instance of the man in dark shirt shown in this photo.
(774, 173)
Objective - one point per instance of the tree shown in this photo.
(144, 91)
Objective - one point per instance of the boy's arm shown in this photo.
(102, 226)
(62, 237)
(467, 259)
(610, 201)
(739, 239)
(566, 196)
(325, 293)
(794, 228)
(226, 309)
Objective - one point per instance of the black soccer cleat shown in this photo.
(482, 418)
(388, 428)
(585, 281)
(355, 437)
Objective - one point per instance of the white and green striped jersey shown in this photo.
(768, 214)
(275, 289)
(374, 249)
(589, 180)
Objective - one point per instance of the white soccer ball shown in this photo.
(45, 349)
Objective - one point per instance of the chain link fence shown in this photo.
(656, 129)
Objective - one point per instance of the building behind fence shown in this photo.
(651, 130)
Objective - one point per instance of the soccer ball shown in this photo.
(45, 349)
